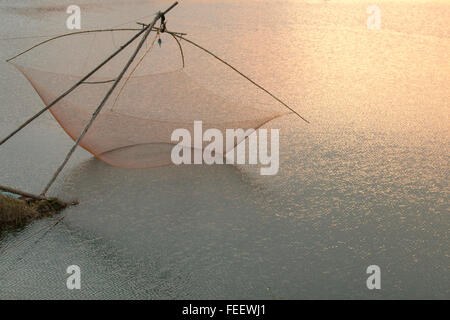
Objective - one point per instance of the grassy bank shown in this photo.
(16, 213)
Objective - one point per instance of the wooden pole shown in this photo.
(72, 88)
(22, 193)
(147, 30)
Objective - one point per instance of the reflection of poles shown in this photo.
(240, 73)
(147, 30)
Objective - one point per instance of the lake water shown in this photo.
(366, 183)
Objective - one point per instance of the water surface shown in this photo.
(365, 183)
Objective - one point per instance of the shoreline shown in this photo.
(18, 212)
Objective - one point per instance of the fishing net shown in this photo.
(156, 96)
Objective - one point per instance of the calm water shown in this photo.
(365, 183)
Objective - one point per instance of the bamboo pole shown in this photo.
(72, 88)
(68, 35)
(156, 29)
(243, 75)
(22, 193)
(147, 30)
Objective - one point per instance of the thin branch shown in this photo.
(67, 35)
(243, 75)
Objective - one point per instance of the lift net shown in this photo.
(134, 128)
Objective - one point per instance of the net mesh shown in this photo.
(135, 126)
